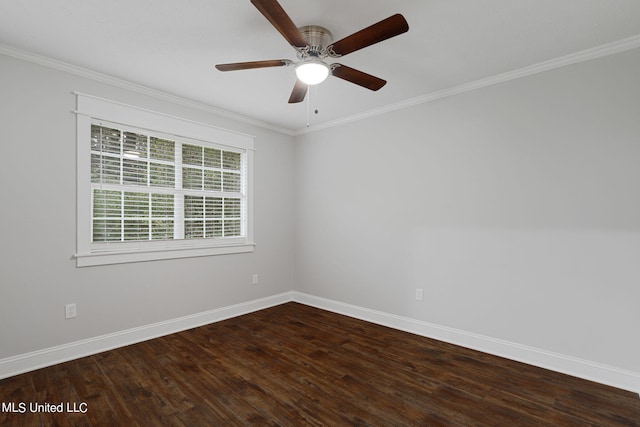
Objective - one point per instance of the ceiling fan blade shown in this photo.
(383, 30)
(235, 66)
(358, 77)
(298, 93)
(272, 10)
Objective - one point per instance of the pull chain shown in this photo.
(308, 103)
(315, 111)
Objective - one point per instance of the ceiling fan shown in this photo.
(314, 43)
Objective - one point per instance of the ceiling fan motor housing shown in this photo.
(318, 39)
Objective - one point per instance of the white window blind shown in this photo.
(154, 195)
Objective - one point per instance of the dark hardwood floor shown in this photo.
(295, 365)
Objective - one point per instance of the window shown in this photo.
(147, 192)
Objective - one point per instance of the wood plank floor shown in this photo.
(294, 365)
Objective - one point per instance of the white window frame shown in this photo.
(90, 109)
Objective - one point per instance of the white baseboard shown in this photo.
(50, 356)
(545, 359)
(585, 369)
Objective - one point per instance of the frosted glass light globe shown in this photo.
(312, 72)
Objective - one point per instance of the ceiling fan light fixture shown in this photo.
(312, 71)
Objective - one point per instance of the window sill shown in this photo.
(122, 257)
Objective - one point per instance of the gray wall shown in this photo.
(38, 228)
(516, 208)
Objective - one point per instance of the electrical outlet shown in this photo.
(70, 311)
(419, 294)
(254, 279)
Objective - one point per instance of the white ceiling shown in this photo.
(172, 45)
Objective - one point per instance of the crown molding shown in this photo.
(563, 61)
(574, 58)
(134, 87)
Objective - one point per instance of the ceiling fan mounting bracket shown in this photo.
(329, 52)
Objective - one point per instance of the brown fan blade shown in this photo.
(383, 30)
(272, 10)
(358, 77)
(298, 93)
(253, 64)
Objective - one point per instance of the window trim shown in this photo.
(90, 108)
